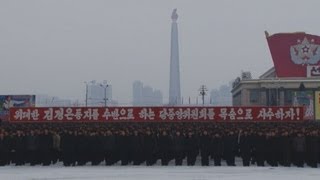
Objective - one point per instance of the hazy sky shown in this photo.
(52, 47)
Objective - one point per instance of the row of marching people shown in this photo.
(259, 144)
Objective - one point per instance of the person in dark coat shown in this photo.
(259, 145)
(149, 148)
(68, 148)
(178, 148)
(312, 143)
(205, 148)
(272, 149)
(191, 148)
(19, 148)
(4, 149)
(285, 149)
(299, 147)
(96, 148)
(77, 151)
(109, 147)
(11, 147)
(245, 148)
(136, 148)
(32, 145)
(217, 147)
(46, 144)
(82, 153)
(165, 144)
(230, 148)
(56, 150)
(123, 147)
(116, 152)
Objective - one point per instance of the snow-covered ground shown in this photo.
(58, 172)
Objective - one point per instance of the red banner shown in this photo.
(155, 114)
(292, 53)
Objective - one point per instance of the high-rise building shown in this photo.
(99, 94)
(174, 87)
(221, 96)
(137, 88)
(145, 95)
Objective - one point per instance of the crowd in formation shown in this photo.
(273, 144)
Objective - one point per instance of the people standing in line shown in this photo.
(80, 143)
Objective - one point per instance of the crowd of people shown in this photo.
(77, 144)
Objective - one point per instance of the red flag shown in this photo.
(293, 52)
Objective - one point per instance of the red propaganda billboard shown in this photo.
(292, 53)
(155, 114)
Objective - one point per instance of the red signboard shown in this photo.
(292, 53)
(155, 114)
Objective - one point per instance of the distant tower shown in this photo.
(174, 89)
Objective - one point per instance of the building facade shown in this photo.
(293, 81)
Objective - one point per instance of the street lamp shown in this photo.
(86, 93)
(203, 91)
(105, 86)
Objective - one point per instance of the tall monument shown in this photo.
(174, 89)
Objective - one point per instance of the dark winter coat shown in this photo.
(299, 144)
(217, 146)
(178, 144)
(32, 143)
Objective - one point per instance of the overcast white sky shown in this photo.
(53, 46)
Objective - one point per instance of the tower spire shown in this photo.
(174, 15)
(174, 88)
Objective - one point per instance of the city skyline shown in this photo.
(45, 52)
